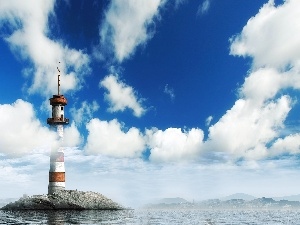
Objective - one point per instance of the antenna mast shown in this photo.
(58, 80)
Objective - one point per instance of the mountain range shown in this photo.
(234, 201)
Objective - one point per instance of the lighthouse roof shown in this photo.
(58, 100)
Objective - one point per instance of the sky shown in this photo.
(184, 98)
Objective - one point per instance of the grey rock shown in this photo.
(66, 199)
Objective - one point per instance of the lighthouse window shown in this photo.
(62, 108)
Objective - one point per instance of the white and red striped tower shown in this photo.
(57, 122)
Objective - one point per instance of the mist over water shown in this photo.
(153, 216)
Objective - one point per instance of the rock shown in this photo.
(66, 199)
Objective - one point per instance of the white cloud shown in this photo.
(247, 127)
(22, 133)
(30, 40)
(20, 130)
(289, 144)
(110, 138)
(271, 36)
(127, 25)
(72, 136)
(208, 120)
(255, 120)
(203, 8)
(85, 112)
(174, 145)
(121, 96)
(11, 174)
(27, 174)
(263, 84)
(169, 91)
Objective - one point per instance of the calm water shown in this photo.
(155, 217)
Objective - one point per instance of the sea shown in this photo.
(154, 217)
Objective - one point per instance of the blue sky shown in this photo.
(197, 99)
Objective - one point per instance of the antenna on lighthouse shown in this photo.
(58, 80)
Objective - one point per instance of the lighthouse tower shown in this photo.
(57, 122)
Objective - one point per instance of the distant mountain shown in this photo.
(288, 198)
(172, 201)
(239, 196)
(247, 197)
(258, 203)
(167, 203)
(240, 200)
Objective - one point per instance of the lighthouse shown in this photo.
(57, 123)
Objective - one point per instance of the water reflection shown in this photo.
(56, 217)
(67, 216)
(153, 217)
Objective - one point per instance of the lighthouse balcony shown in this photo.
(57, 120)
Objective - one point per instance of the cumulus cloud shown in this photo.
(289, 144)
(173, 144)
(72, 136)
(263, 84)
(111, 138)
(203, 8)
(30, 40)
(127, 24)
(253, 124)
(251, 129)
(244, 131)
(21, 132)
(121, 96)
(85, 112)
(270, 37)
(247, 127)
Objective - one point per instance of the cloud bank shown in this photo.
(134, 182)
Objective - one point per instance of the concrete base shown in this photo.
(55, 188)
